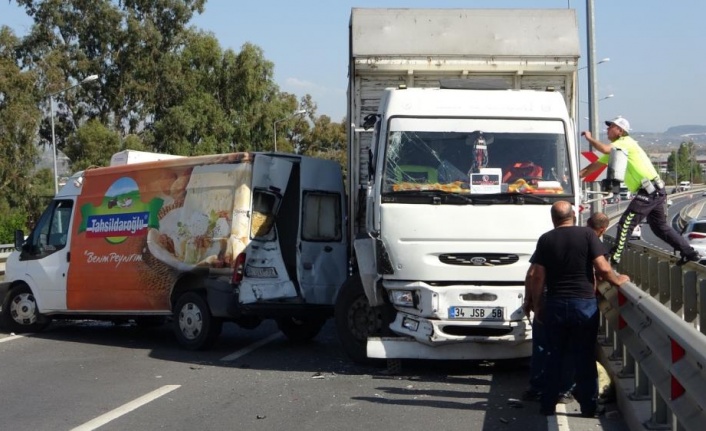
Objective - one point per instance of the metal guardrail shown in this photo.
(5, 250)
(657, 327)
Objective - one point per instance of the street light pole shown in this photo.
(274, 125)
(603, 60)
(596, 205)
(53, 135)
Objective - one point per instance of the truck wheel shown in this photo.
(20, 313)
(356, 320)
(194, 326)
(300, 329)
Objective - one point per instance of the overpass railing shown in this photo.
(655, 326)
(5, 250)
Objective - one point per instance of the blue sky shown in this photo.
(656, 72)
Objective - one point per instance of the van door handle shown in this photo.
(328, 249)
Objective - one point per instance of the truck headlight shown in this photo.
(402, 298)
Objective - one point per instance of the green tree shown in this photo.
(19, 120)
(254, 97)
(92, 145)
(327, 140)
(683, 161)
(124, 42)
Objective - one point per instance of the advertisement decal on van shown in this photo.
(112, 221)
(139, 229)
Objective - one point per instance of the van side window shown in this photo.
(52, 230)
(321, 220)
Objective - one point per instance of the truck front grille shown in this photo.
(479, 259)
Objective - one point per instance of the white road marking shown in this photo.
(558, 422)
(252, 347)
(125, 408)
(10, 338)
(561, 418)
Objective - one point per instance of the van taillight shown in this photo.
(694, 235)
(239, 269)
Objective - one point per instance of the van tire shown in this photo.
(194, 326)
(300, 329)
(356, 320)
(20, 312)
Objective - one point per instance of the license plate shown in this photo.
(477, 313)
(259, 272)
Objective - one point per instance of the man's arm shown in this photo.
(534, 286)
(588, 170)
(606, 273)
(595, 143)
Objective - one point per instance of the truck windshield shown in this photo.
(477, 156)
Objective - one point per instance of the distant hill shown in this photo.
(686, 130)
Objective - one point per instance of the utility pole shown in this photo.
(597, 204)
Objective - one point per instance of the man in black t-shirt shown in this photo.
(565, 260)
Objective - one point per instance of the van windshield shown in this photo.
(477, 156)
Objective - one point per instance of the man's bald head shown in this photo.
(562, 214)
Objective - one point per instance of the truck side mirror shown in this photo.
(19, 239)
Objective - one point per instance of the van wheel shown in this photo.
(356, 320)
(20, 313)
(300, 329)
(194, 326)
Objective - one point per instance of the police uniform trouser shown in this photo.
(652, 207)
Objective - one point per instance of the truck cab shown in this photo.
(461, 189)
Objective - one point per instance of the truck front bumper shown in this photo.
(422, 338)
(409, 348)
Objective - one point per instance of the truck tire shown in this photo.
(300, 329)
(356, 320)
(20, 313)
(194, 326)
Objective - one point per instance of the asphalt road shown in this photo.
(86, 375)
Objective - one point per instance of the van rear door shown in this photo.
(322, 258)
(268, 274)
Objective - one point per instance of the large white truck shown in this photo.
(461, 137)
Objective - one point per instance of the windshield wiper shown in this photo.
(439, 197)
(436, 197)
(515, 198)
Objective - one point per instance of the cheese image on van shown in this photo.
(198, 230)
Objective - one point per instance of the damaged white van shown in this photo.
(201, 240)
